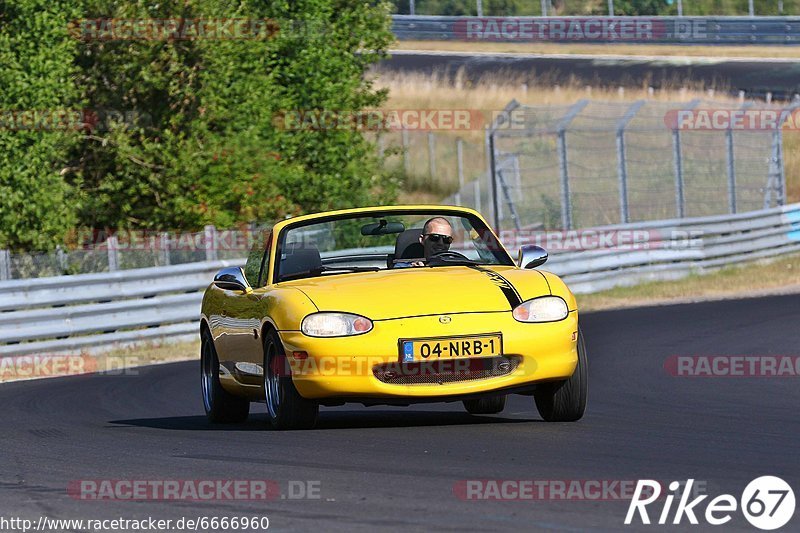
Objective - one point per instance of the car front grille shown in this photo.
(445, 371)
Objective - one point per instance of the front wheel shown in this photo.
(220, 405)
(285, 407)
(565, 401)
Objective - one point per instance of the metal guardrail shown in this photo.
(662, 30)
(71, 313)
(65, 313)
(685, 246)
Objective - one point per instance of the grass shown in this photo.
(788, 52)
(764, 277)
(114, 361)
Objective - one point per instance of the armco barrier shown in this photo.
(664, 30)
(68, 313)
(47, 315)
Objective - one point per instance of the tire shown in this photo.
(486, 406)
(565, 401)
(220, 405)
(286, 409)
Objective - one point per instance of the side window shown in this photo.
(252, 268)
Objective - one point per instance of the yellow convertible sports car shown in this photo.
(388, 305)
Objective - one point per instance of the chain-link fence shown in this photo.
(598, 163)
(126, 250)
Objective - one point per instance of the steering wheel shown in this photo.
(447, 256)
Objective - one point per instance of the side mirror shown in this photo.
(531, 256)
(232, 279)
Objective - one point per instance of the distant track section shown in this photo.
(756, 77)
(655, 30)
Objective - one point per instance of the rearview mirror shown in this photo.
(383, 228)
(231, 279)
(531, 256)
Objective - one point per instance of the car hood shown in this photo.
(423, 291)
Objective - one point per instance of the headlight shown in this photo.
(543, 309)
(335, 325)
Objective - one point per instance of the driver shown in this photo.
(436, 237)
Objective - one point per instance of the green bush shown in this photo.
(186, 134)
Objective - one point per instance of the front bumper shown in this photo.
(350, 367)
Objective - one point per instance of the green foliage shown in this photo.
(193, 138)
(36, 77)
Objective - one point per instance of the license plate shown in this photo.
(451, 347)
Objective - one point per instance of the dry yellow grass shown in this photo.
(768, 277)
(604, 49)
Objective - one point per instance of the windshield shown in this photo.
(388, 240)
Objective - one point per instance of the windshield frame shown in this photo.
(477, 223)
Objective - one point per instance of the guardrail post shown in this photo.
(431, 154)
(406, 163)
(113, 253)
(210, 242)
(459, 168)
(622, 165)
(61, 258)
(5, 265)
(163, 245)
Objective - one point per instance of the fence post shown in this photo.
(493, 176)
(406, 165)
(113, 253)
(163, 244)
(477, 192)
(210, 242)
(677, 159)
(381, 147)
(411, 10)
(729, 159)
(5, 265)
(459, 168)
(544, 7)
(622, 162)
(479, 7)
(431, 154)
(610, 8)
(563, 163)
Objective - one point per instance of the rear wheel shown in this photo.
(485, 406)
(285, 407)
(220, 405)
(565, 401)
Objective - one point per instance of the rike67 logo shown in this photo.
(767, 503)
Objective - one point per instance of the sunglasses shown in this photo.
(437, 237)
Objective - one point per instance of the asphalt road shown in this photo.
(755, 76)
(396, 468)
